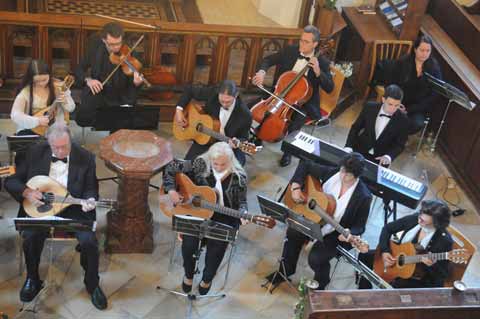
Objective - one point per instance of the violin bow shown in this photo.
(122, 60)
(128, 21)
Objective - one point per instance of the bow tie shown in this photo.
(301, 57)
(56, 159)
(386, 115)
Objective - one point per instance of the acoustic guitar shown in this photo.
(200, 201)
(6, 171)
(51, 111)
(407, 259)
(319, 208)
(204, 129)
(55, 198)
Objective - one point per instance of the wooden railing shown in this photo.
(194, 52)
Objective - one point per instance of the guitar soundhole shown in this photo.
(199, 127)
(401, 260)
(44, 208)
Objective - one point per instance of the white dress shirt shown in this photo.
(333, 187)
(59, 172)
(224, 116)
(301, 63)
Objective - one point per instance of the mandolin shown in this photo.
(204, 129)
(407, 258)
(51, 111)
(200, 201)
(6, 171)
(55, 198)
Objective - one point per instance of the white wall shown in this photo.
(283, 12)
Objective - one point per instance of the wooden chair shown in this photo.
(328, 101)
(459, 241)
(385, 50)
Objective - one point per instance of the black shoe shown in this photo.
(276, 278)
(98, 299)
(30, 289)
(185, 287)
(203, 291)
(285, 160)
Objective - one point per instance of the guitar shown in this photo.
(55, 198)
(357, 242)
(200, 201)
(204, 129)
(407, 258)
(6, 171)
(313, 190)
(51, 111)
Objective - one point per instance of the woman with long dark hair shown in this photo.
(410, 76)
(37, 90)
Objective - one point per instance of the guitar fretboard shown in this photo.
(225, 210)
(77, 201)
(329, 219)
(418, 258)
(219, 136)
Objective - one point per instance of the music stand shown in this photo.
(453, 95)
(50, 225)
(200, 228)
(20, 143)
(363, 270)
(282, 213)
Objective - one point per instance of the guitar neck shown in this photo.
(418, 258)
(225, 210)
(216, 135)
(329, 219)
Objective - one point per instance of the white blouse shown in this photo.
(20, 112)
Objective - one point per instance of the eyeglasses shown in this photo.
(113, 44)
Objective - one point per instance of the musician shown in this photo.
(294, 58)
(119, 90)
(428, 230)
(36, 92)
(224, 104)
(74, 168)
(380, 131)
(410, 75)
(219, 169)
(352, 207)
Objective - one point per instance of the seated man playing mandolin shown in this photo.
(74, 168)
(427, 231)
(221, 103)
(219, 169)
(351, 199)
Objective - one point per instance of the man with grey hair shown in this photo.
(295, 58)
(74, 168)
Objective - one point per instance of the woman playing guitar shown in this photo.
(428, 231)
(219, 169)
(36, 92)
(352, 199)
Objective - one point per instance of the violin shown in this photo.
(128, 63)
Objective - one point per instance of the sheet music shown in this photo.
(43, 218)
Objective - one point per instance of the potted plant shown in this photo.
(325, 17)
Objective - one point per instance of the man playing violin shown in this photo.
(119, 90)
(223, 104)
(73, 167)
(352, 199)
(294, 58)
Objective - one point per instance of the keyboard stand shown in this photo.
(390, 208)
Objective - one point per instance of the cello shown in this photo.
(274, 113)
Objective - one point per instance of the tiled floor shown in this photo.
(130, 281)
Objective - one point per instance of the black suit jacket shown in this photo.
(82, 179)
(240, 120)
(286, 58)
(441, 242)
(358, 208)
(391, 142)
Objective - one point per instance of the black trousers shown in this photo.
(33, 242)
(416, 122)
(214, 256)
(198, 149)
(318, 259)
